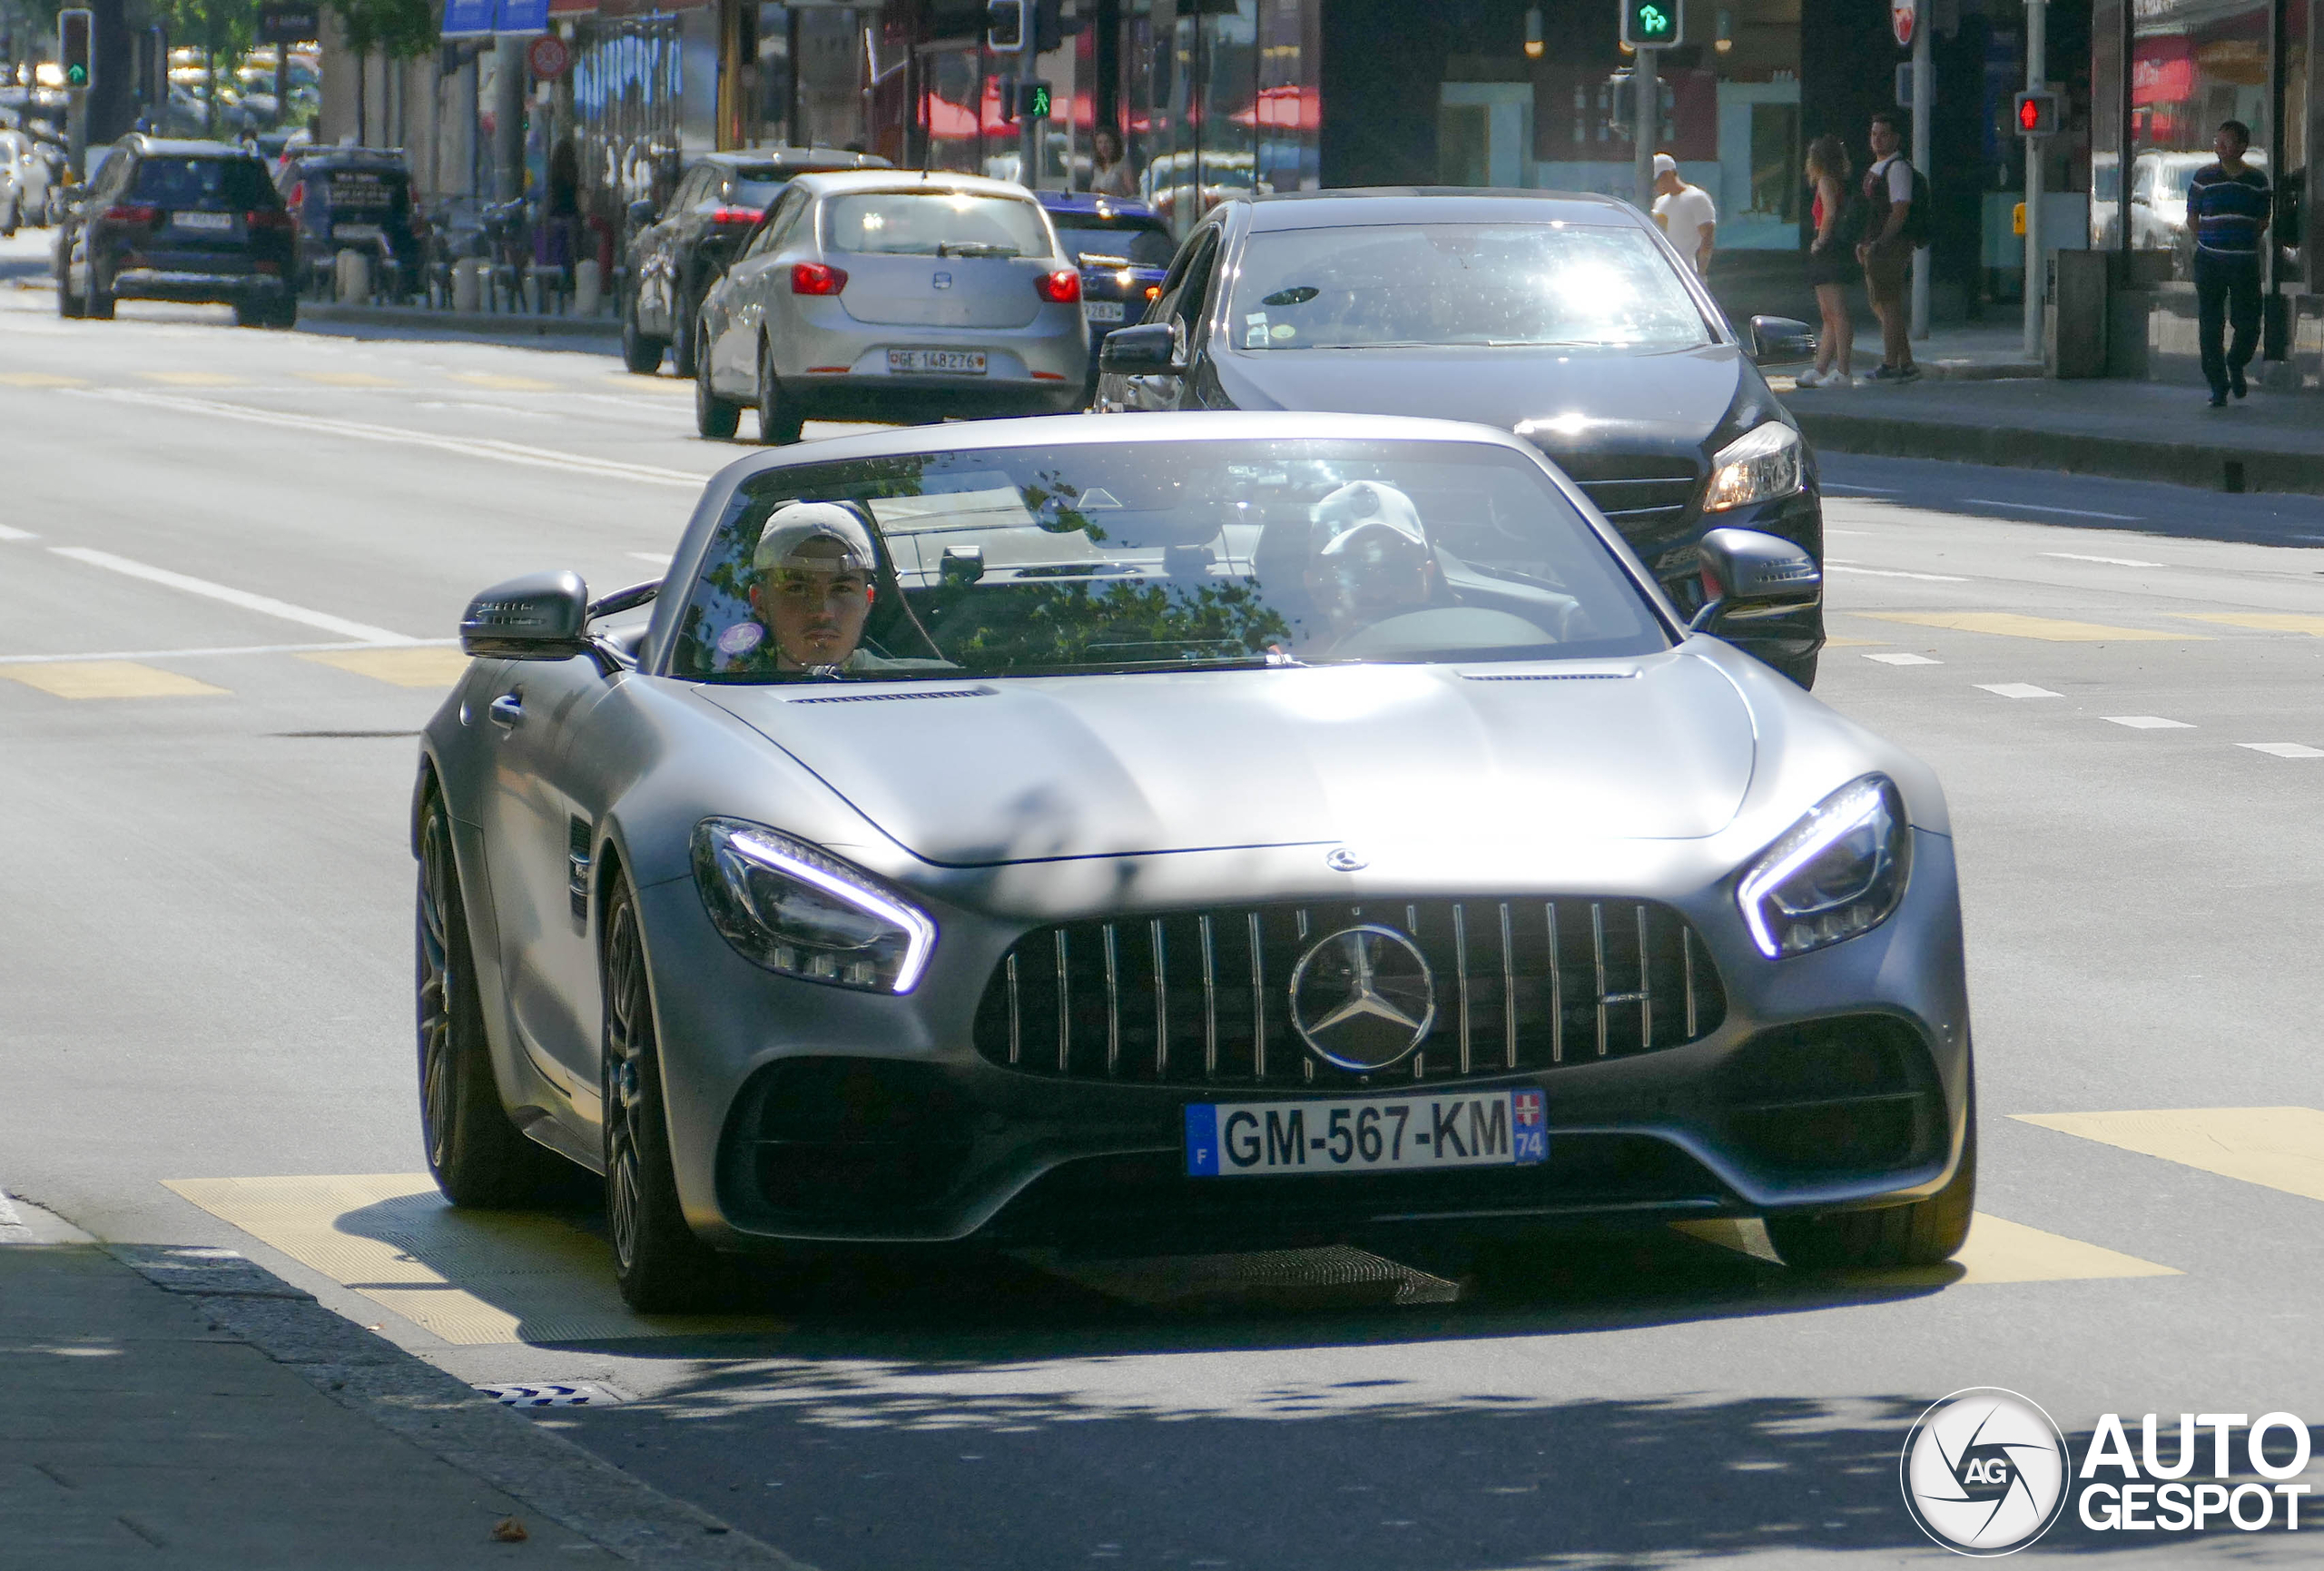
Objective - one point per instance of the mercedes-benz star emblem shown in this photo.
(1346, 859)
(1362, 998)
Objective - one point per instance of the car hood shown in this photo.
(1033, 769)
(1581, 398)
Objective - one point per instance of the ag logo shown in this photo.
(1984, 1472)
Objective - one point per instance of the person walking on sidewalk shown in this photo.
(1896, 211)
(1838, 217)
(2228, 204)
(1686, 214)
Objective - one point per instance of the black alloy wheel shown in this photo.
(716, 418)
(640, 355)
(780, 419)
(1925, 1234)
(477, 1156)
(659, 1264)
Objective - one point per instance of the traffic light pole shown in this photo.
(77, 134)
(1923, 90)
(1646, 101)
(2038, 68)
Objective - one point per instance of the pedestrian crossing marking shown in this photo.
(2281, 1147)
(504, 383)
(193, 378)
(348, 379)
(2052, 629)
(39, 379)
(1997, 1250)
(404, 667)
(106, 679)
(473, 1279)
(2260, 621)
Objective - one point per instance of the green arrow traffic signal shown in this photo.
(1650, 24)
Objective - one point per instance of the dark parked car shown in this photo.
(1566, 319)
(677, 249)
(188, 220)
(1122, 249)
(356, 198)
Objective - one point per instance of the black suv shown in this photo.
(188, 221)
(677, 251)
(358, 199)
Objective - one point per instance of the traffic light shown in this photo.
(1048, 25)
(1008, 25)
(1652, 23)
(1032, 101)
(2037, 112)
(74, 48)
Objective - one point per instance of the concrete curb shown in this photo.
(503, 324)
(448, 1420)
(2208, 466)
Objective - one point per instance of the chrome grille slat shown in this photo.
(1598, 951)
(1209, 1002)
(1687, 969)
(1064, 1008)
(1113, 1005)
(1508, 993)
(1460, 978)
(1161, 1001)
(1016, 1013)
(1259, 999)
(1557, 988)
(1645, 985)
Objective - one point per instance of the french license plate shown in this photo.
(1104, 309)
(1368, 1134)
(203, 219)
(357, 232)
(949, 362)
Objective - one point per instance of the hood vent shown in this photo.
(886, 697)
(1552, 677)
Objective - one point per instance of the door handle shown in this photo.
(508, 711)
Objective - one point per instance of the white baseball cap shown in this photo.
(1665, 165)
(804, 534)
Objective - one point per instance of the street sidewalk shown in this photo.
(180, 1407)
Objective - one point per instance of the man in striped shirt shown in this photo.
(2228, 205)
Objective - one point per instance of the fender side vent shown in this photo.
(886, 697)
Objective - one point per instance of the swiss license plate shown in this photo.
(1104, 309)
(949, 361)
(1368, 1134)
(203, 219)
(357, 232)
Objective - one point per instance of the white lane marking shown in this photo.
(2284, 749)
(2016, 690)
(2038, 508)
(1902, 659)
(660, 556)
(471, 447)
(2110, 561)
(1859, 490)
(1829, 531)
(264, 605)
(2148, 722)
(8, 534)
(1831, 564)
(224, 649)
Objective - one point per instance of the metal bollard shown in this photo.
(352, 277)
(467, 284)
(587, 294)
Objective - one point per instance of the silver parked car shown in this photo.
(878, 295)
(1243, 829)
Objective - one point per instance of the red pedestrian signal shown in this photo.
(2037, 112)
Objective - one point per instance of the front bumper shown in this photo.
(1836, 1079)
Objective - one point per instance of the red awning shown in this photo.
(1286, 108)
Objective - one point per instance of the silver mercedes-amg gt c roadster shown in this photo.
(1239, 829)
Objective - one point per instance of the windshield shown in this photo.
(238, 182)
(934, 223)
(752, 190)
(1122, 243)
(1162, 555)
(1461, 284)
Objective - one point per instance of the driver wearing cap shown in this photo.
(813, 577)
(1370, 558)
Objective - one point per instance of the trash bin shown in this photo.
(2074, 331)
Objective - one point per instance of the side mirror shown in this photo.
(1779, 341)
(539, 616)
(1748, 576)
(1149, 350)
(641, 214)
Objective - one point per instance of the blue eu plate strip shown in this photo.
(1202, 1141)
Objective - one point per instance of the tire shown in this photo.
(477, 1157)
(1925, 1234)
(15, 218)
(780, 419)
(658, 1263)
(640, 355)
(716, 418)
(283, 315)
(686, 340)
(68, 304)
(98, 305)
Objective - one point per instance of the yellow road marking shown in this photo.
(404, 667)
(193, 378)
(474, 1278)
(106, 679)
(2281, 1148)
(2011, 625)
(39, 379)
(348, 379)
(509, 383)
(2264, 621)
(657, 384)
(1997, 1250)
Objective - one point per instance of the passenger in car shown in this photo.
(813, 578)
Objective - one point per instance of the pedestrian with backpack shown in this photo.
(1895, 199)
(1838, 216)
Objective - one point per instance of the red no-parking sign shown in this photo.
(548, 56)
(1902, 16)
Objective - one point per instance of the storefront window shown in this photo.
(2193, 64)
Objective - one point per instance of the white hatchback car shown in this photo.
(881, 295)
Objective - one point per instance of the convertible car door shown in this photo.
(539, 835)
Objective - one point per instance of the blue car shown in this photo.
(1122, 247)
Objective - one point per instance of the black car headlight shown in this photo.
(787, 906)
(1838, 872)
(1764, 463)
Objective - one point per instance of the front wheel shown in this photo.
(780, 419)
(1925, 1234)
(640, 355)
(685, 339)
(658, 1263)
(716, 418)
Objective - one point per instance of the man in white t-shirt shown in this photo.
(1685, 213)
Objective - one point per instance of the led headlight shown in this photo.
(1762, 464)
(789, 907)
(1838, 872)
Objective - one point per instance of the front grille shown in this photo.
(1647, 499)
(1203, 997)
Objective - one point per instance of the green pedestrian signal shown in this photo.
(1032, 101)
(73, 47)
(1652, 24)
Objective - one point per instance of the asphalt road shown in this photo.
(205, 959)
